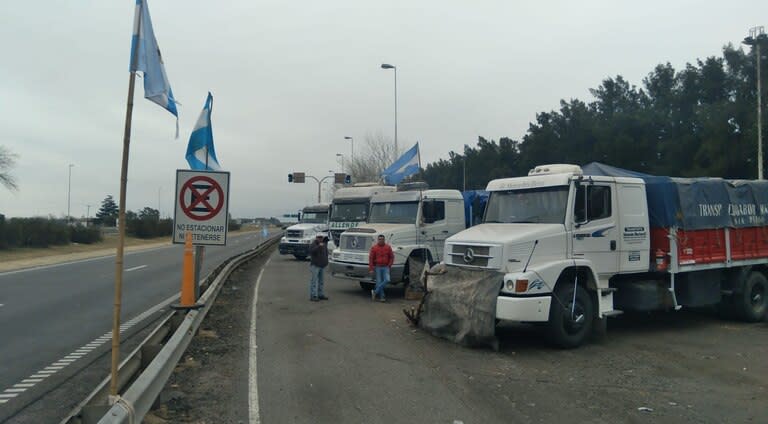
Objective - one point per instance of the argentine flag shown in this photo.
(149, 61)
(407, 165)
(200, 149)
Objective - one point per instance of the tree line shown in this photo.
(695, 121)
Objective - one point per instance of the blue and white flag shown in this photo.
(405, 166)
(200, 152)
(149, 61)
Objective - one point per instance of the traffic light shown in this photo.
(296, 177)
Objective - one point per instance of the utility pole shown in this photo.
(69, 194)
(87, 214)
(756, 37)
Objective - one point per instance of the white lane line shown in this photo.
(32, 380)
(20, 385)
(53, 368)
(47, 371)
(8, 395)
(2, 401)
(40, 376)
(253, 389)
(15, 390)
(136, 268)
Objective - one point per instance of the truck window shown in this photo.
(314, 217)
(598, 203)
(394, 213)
(543, 205)
(349, 212)
(433, 211)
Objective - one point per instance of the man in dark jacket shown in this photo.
(318, 254)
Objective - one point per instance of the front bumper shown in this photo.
(359, 272)
(298, 249)
(528, 309)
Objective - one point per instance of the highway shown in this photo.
(54, 318)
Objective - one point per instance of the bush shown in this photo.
(233, 225)
(148, 227)
(85, 235)
(33, 232)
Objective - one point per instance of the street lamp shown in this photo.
(69, 194)
(757, 37)
(339, 155)
(352, 140)
(388, 66)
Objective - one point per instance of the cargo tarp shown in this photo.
(697, 203)
(461, 305)
(474, 206)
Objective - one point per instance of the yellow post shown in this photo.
(188, 277)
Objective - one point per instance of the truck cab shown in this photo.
(298, 237)
(350, 207)
(415, 223)
(557, 237)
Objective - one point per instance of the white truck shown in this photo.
(349, 208)
(573, 247)
(297, 238)
(416, 224)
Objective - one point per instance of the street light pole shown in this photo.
(319, 184)
(69, 194)
(352, 140)
(756, 37)
(388, 66)
(464, 163)
(340, 155)
(87, 214)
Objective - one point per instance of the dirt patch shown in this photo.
(210, 384)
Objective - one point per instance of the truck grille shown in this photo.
(467, 255)
(354, 242)
(293, 234)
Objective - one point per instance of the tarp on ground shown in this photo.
(461, 305)
(697, 203)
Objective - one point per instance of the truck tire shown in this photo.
(565, 331)
(752, 303)
(365, 285)
(300, 257)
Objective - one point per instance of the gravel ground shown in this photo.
(686, 366)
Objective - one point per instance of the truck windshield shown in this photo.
(394, 213)
(314, 217)
(544, 205)
(349, 211)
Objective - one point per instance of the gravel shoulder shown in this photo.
(349, 360)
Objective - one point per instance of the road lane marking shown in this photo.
(253, 390)
(136, 268)
(32, 380)
(25, 385)
(40, 376)
(8, 395)
(15, 390)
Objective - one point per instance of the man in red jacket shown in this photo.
(380, 261)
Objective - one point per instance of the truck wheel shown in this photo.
(367, 286)
(300, 257)
(752, 302)
(569, 325)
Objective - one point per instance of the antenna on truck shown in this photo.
(535, 242)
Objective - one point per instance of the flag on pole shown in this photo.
(200, 152)
(405, 166)
(149, 61)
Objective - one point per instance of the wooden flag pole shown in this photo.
(121, 213)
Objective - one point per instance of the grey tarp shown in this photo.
(461, 305)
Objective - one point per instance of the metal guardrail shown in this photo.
(144, 373)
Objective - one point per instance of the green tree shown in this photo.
(7, 162)
(107, 213)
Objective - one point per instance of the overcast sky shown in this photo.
(290, 79)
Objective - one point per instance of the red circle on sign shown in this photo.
(201, 198)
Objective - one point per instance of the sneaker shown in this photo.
(314, 299)
(323, 297)
(383, 300)
(373, 295)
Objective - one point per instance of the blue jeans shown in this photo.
(316, 282)
(382, 279)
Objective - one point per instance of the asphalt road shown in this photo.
(348, 360)
(49, 312)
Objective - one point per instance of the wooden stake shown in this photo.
(121, 215)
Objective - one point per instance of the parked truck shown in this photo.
(350, 208)
(416, 222)
(573, 246)
(313, 220)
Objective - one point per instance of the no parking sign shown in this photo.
(202, 206)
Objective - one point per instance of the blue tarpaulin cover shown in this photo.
(474, 205)
(697, 203)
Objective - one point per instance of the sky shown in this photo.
(291, 79)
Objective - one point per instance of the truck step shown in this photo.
(612, 313)
(607, 291)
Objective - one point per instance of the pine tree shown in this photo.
(107, 214)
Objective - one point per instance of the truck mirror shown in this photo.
(580, 207)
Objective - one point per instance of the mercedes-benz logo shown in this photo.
(354, 242)
(469, 256)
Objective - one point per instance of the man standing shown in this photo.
(318, 253)
(380, 261)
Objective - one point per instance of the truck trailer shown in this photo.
(573, 246)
